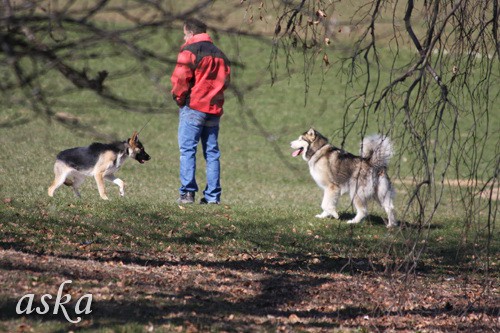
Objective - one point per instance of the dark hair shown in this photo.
(195, 26)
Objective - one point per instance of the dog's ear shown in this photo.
(311, 132)
(133, 140)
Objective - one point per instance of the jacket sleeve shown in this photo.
(228, 77)
(182, 76)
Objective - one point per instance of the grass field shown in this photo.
(258, 262)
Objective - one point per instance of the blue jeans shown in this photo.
(193, 127)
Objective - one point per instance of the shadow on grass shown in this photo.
(282, 283)
(198, 306)
(213, 310)
(377, 220)
(159, 226)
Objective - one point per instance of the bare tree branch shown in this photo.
(451, 77)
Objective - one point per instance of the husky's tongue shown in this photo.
(297, 152)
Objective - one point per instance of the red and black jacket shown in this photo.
(201, 75)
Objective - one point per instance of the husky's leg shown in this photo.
(385, 197)
(61, 171)
(77, 182)
(329, 204)
(361, 209)
(99, 179)
(118, 182)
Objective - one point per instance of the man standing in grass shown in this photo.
(201, 75)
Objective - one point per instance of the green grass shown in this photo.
(269, 200)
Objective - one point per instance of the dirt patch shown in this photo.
(248, 293)
(478, 188)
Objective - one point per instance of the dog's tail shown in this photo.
(377, 149)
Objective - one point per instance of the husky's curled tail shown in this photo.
(377, 149)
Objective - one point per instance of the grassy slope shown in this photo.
(269, 199)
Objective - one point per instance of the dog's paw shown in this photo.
(122, 188)
(325, 215)
(353, 221)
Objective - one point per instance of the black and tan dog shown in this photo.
(99, 160)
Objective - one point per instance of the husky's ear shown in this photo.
(133, 140)
(311, 132)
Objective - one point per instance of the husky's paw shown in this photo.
(353, 221)
(325, 215)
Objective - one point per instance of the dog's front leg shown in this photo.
(329, 204)
(99, 178)
(118, 182)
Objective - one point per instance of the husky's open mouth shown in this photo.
(297, 152)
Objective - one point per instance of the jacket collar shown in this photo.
(203, 37)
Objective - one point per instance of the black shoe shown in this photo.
(204, 201)
(187, 198)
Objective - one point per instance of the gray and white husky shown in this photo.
(337, 172)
